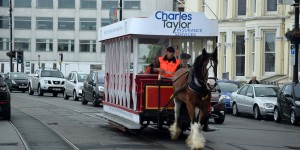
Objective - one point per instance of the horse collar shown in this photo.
(195, 85)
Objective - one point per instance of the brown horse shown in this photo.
(192, 85)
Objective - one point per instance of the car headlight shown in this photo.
(45, 82)
(13, 82)
(297, 103)
(101, 88)
(226, 97)
(81, 87)
(3, 88)
(268, 105)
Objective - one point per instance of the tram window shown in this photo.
(149, 49)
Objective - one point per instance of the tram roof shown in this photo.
(163, 23)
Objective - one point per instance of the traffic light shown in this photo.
(11, 54)
(61, 57)
(20, 57)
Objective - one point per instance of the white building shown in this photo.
(251, 37)
(45, 28)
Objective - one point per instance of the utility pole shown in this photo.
(10, 37)
(121, 8)
(295, 74)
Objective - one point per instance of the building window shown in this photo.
(65, 45)
(44, 45)
(66, 23)
(105, 22)
(240, 55)
(4, 22)
(271, 5)
(54, 66)
(32, 68)
(22, 3)
(270, 51)
(22, 23)
(44, 23)
(2, 68)
(4, 3)
(253, 52)
(102, 48)
(4, 43)
(22, 44)
(66, 3)
(241, 7)
(44, 4)
(87, 46)
(108, 4)
(89, 4)
(87, 23)
(132, 5)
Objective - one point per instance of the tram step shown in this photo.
(120, 121)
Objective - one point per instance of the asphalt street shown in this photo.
(79, 125)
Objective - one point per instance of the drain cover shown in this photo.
(9, 144)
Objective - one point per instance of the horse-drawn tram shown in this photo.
(133, 99)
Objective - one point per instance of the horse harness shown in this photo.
(196, 86)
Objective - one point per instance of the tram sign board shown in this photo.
(163, 23)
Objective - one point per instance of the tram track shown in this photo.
(85, 113)
(37, 134)
(24, 142)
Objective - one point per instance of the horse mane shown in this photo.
(198, 63)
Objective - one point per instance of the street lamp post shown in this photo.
(10, 35)
(295, 74)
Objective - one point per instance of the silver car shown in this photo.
(74, 84)
(256, 99)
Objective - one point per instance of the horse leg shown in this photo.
(174, 128)
(204, 118)
(195, 140)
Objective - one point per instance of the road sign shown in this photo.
(292, 56)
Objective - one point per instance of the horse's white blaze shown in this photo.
(196, 139)
(174, 129)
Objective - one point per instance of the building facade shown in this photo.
(43, 29)
(251, 37)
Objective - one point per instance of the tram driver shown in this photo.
(168, 64)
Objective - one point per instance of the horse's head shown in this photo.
(204, 62)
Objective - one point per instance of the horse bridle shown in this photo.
(210, 59)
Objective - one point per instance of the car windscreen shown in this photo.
(82, 77)
(19, 76)
(228, 86)
(52, 73)
(101, 78)
(266, 91)
(297, 91)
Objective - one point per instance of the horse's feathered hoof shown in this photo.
(174, 132)
(196, 140)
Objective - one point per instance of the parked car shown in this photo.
(226, 88)
(46, 81)
(93, 88)
(5, 111)
(256, 99)
(288, 103)
(218, 107)
(74, 85)
(2, 75)
(16, 81)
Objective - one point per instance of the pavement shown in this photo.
(9, 138)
